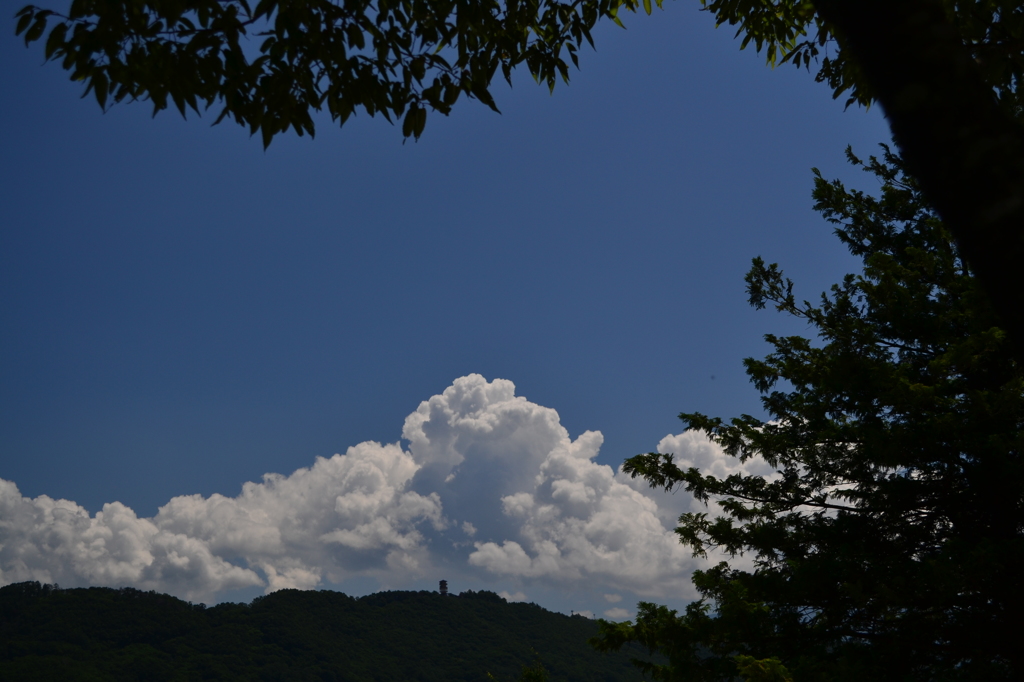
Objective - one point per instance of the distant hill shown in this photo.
(127, 634)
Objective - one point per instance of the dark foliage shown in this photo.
(106, 634)
(398, 58)
(888, 546)
(946, 72)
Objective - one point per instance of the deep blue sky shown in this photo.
(182, 311)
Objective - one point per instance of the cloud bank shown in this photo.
(490, 487)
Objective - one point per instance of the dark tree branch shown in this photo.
(967, 154)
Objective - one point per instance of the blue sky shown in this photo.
(182, 311)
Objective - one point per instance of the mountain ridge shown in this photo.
(98, 633)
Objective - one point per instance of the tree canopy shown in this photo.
(946, 73)
(403, 57)
(887, 545)
(398, 58)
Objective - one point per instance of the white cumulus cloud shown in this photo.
(518, 596)
(490, 488)
(693, 449)
(345, 515)
(56, 541)
(576, 522)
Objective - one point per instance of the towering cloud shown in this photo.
(490, 486)
(543, 509)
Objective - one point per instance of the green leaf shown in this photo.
(99, 86)
(36, 31)
(409, 122)
(762, 670)
(56, 40)
(24, 20)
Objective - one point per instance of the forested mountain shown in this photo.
(126, 634)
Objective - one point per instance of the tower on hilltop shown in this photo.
(444, 588)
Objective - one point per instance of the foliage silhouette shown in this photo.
(946, 73)
(888, 543)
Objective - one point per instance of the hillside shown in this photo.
(126, 634)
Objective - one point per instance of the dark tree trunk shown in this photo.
(967, 154)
